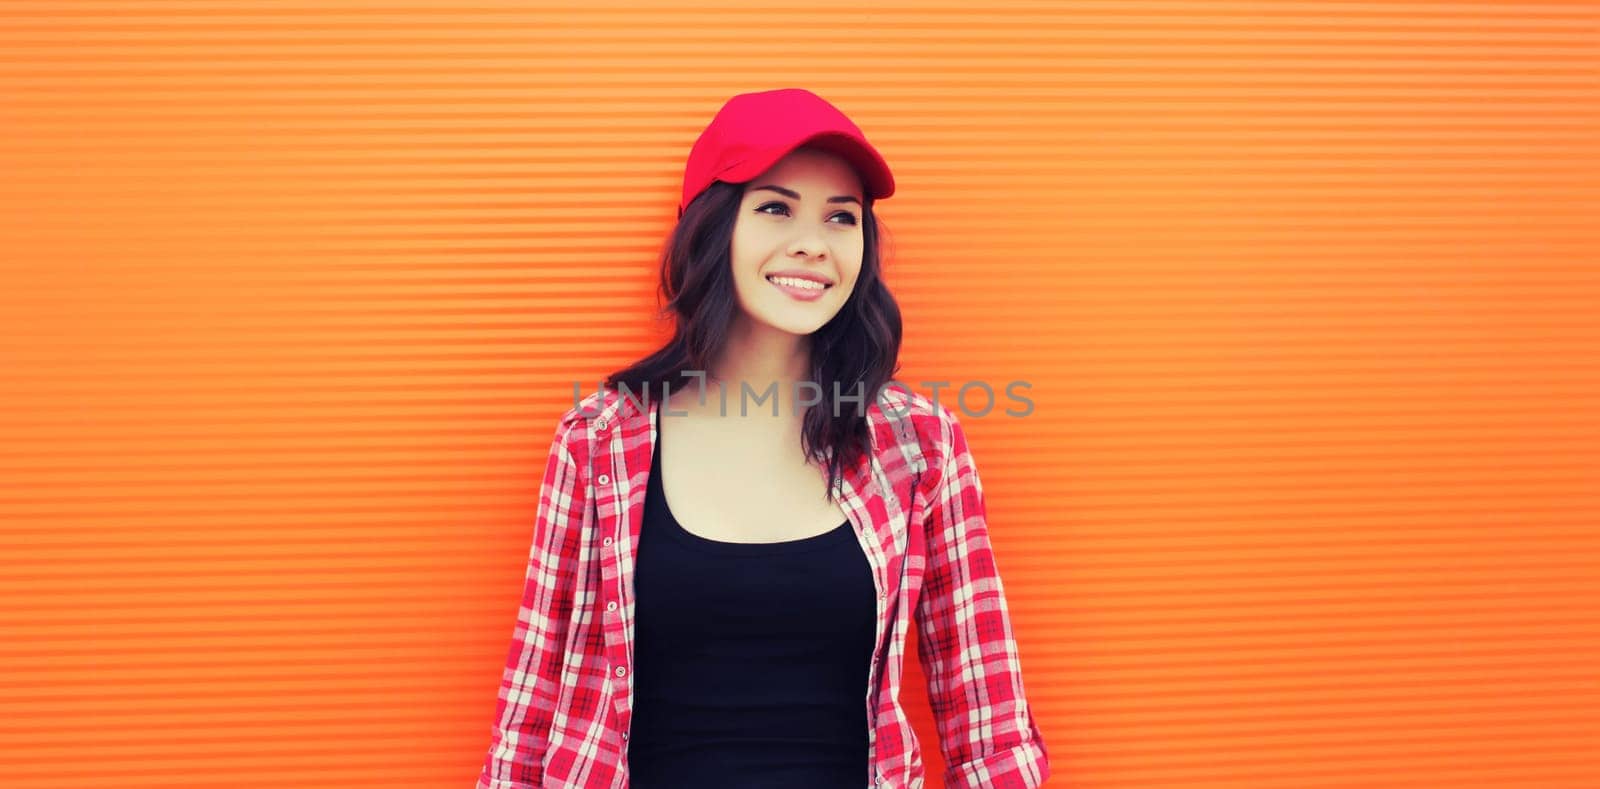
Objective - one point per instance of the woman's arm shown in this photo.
(968, 653)
(530, 683)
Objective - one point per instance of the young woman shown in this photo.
(737, 533)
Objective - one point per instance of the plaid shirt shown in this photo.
(565, 698)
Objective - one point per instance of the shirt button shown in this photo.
(604, 480)
(611, 606)
(600, 423)
(622, 671)
(608, 541)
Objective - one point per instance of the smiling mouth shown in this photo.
(795, 282)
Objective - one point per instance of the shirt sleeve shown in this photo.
(986, 728)
(530, 682)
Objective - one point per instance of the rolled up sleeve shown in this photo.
(987, 732)
(530, 683)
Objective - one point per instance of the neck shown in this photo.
(765, 361)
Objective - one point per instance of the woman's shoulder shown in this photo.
(588, 408)
(603, 407)
(576, 429)
(911, 410)
(597, 413)
(908, 414)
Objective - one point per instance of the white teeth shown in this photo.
(797, 283)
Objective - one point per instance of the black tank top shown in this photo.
(750, 659)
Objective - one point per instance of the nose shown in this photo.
(808, 243)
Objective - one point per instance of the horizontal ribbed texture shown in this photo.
(1305, 294)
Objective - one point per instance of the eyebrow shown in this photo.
(796, 195)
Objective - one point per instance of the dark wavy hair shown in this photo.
(854, 354)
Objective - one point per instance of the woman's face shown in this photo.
(801, 217)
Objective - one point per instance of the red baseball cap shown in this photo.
(753, 131)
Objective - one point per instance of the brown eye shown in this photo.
(762, 209)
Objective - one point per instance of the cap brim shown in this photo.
(876, 178)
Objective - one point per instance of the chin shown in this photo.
(799, 325)
(797, 328)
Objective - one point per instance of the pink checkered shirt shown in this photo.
(565, 698)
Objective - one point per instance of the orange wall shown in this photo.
(294, 293)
